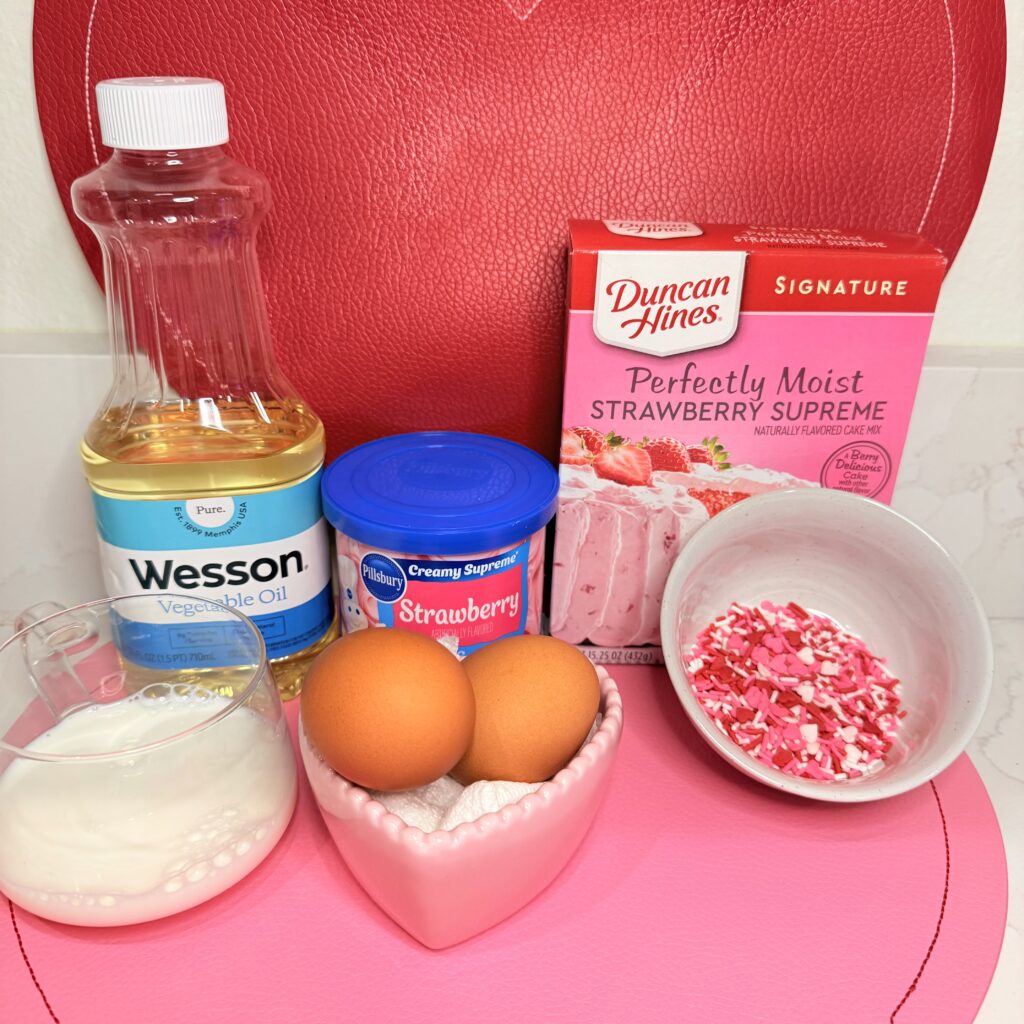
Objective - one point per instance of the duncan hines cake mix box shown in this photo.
(705, 364)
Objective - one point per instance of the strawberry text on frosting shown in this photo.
(411, 611)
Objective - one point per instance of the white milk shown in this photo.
(142, 836)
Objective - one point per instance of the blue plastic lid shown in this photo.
(440, 493)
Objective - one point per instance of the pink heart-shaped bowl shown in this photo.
(445, 887)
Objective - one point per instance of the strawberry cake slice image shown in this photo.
(622, 521)
(706, 474)
(717, 489)
(614, 546)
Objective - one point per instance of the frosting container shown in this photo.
(441, 533)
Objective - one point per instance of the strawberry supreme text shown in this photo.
(740, 382)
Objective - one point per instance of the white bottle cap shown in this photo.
(162, 113)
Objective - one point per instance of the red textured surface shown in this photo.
(425, 157)
(698, 896)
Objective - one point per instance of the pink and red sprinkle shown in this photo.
(796, 690)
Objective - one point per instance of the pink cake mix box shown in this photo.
(705, 364)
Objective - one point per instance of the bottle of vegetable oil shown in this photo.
(203, 461)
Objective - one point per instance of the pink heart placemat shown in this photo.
(698, 896)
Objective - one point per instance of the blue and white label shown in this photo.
(266, 555)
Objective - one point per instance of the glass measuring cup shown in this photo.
(145, 763)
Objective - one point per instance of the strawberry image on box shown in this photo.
(706, 364)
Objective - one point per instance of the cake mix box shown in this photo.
(705, 364)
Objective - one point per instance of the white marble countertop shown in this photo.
(998, 753)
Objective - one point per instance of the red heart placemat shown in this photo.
(425, 157)
(698, 895)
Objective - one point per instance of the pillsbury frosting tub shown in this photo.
(441, 533)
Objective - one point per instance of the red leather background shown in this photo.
(426, 155)
(699, 898)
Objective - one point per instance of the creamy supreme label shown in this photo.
(265, 554)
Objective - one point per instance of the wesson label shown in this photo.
(266, 555)
(665, 303)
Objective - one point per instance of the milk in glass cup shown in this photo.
(145, 763)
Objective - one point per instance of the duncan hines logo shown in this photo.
(665, 303)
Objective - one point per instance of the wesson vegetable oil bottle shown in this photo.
(204, 463)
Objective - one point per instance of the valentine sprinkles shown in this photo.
(796, 690)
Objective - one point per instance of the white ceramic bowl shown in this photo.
(877, 574)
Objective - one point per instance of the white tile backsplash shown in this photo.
(962, 475)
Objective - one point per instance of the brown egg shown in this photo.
(536, 699)
(388, 709)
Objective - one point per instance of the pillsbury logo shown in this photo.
(382, 576)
